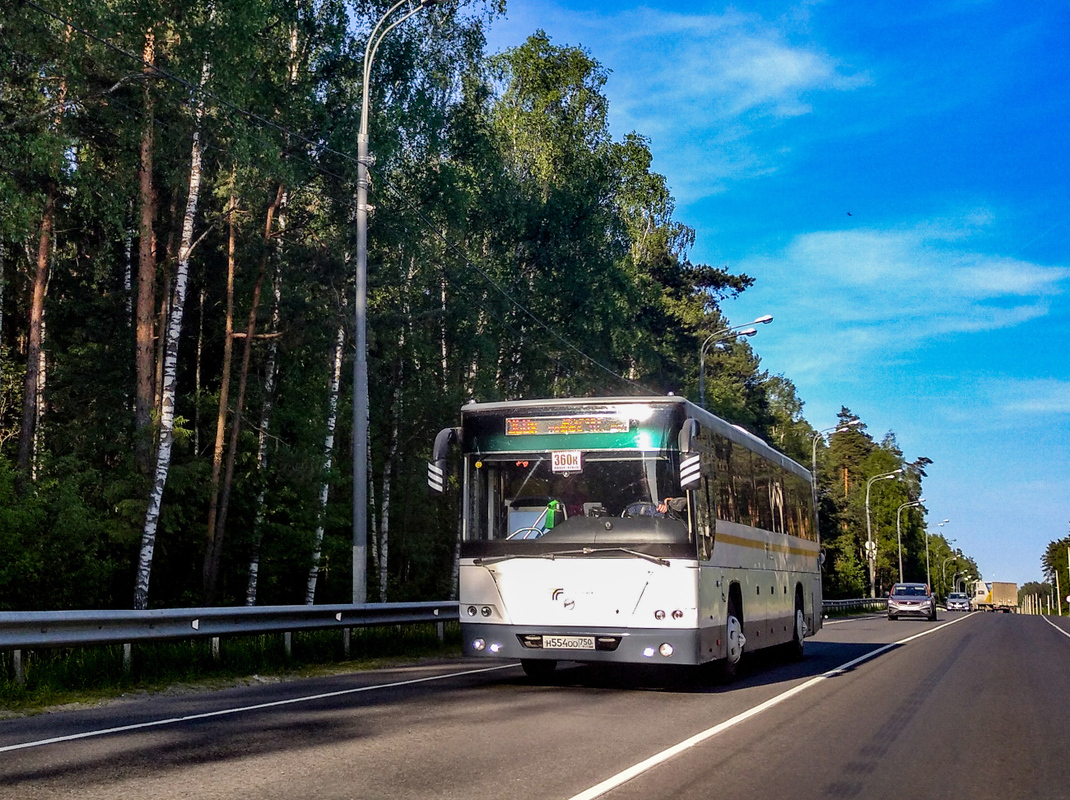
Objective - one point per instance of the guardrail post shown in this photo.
(347, 634)
(128, 659)
(215, 649)
(20, 669)
(288, 644)
(441, 627)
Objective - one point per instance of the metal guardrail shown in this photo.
(44, 629)
(863, 603)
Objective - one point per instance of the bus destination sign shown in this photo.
(523, 426)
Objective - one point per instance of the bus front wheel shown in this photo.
(735, 641)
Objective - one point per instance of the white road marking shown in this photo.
(1064, 633)
(850, 619)
(241, 709)
(660, 758)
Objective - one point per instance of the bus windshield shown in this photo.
(632, 493)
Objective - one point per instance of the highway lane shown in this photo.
(903, 720)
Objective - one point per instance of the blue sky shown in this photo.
(896, 178)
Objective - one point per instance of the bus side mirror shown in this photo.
(436, 467)
(690, 462)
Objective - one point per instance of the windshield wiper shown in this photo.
(586, 551)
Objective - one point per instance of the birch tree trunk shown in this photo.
(33, 346)
(384, 512)
(262, 449)
(224, 384)
(328, 455)
(197, 375)
(170, 366)
(144, 396)
(128, 268)
(214, 555)
(42, 380)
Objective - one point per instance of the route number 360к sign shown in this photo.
(566, 461)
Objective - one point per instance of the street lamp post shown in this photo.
(955, 579)
(360, 316)
(871, 546)
(928, 580)
(845, 426)
(943, 569)
(899, 532)
(713, 338)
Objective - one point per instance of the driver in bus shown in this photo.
(673, 507)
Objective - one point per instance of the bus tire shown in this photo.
(538, 669)
(734, 642)
(798, 632)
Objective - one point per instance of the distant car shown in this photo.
(911, 600)
(957, 601)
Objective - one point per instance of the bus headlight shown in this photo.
(678, 614)
(666, 649)
(659, 615)
(472, 611)
(479, 644)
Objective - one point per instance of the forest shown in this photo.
(177, 285)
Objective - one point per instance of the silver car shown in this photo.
(911, 600)
(957, 601)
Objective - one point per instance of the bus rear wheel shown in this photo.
(538, 669)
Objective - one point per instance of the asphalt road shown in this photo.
(972, 706)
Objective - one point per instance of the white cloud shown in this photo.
(699, 85)
(855, 296)
(1038, 396)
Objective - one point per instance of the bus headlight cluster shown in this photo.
(665, 650)
(659, 615)
(473, 610)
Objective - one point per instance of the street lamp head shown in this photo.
(765, 319)
(747, 332)
(920, 500)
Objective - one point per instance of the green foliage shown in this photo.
(1054, 560)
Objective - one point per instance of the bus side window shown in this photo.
(706, 499)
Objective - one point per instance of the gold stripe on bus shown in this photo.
(779, 548)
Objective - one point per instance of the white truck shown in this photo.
(996, 596)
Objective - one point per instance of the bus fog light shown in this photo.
(659, 614)
(479, 644)
(649, 652)
(471, 611)
(495, 648)
(665, 649)
(678, 614)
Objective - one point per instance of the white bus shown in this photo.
(640, 530)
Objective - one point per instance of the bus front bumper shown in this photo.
(609, 645)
